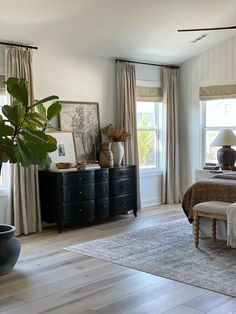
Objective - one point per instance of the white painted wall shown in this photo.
(150, 182)
(76, 78)
(214, 67)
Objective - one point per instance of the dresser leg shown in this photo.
(135, 212)
(60, 227)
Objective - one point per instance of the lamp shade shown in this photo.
(225, 137)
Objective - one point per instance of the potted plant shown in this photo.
(23, 140)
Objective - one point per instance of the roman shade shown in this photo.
(217, 92)
(145, 93)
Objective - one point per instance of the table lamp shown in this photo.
(226, 155)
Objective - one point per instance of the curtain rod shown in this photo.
(17, 45)
(148, 63)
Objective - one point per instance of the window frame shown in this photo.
(158, 131)
(204, 128)
(4, 187)
(5, 171)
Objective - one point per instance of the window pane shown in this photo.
(146, 114)
(211, 151)
(220, 112)
(147, 148)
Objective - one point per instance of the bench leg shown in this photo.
(213, 229)
(196, 228)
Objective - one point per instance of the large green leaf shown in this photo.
(51, 145)
(18, 89)
(41, 109)
(13, 114)
(35, 136)
(6, 130)
(42, 101)
(36, 118)
(53, 110)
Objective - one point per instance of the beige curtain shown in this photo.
(24, 205)
(126, 104)
(171, 172)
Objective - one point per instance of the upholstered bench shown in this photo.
(214, 210)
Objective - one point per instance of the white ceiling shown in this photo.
(138, 29)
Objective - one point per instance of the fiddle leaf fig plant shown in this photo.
(23, 138)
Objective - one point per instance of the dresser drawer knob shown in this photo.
(124, 202)
(80, 192)
(80, 209)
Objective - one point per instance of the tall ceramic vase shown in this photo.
(118, 152)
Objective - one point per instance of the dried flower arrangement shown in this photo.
(114, 134)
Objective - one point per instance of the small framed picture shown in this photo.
(65, 148)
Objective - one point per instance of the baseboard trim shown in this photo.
(152, 201)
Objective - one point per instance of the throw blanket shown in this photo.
(231, 225)
(213, 189)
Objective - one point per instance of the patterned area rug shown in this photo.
(168, 250)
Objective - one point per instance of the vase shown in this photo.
(118, 152)
(9, 248)
(106, 156)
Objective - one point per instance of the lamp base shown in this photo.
(226, 157)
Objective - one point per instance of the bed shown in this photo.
(219, 187)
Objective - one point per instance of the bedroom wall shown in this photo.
(214, 67)
(76, 78)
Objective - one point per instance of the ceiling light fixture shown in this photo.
(199, 38)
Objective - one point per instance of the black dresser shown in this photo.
(81, 197)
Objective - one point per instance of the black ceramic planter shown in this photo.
(9, 249)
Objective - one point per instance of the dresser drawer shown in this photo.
(122, 187)
(102, 190)
(122, 172)
(78, 177)
(79, 213)
(102, 209)
(101, 175)
(75, 193)
(119, 205)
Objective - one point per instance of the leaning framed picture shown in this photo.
(65, 148)
(82, 118)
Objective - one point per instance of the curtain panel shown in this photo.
(24, 205)
(171, 168)
(126, 109)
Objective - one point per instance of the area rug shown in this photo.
(168, 250)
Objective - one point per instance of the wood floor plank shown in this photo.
(138, 297)
(226, 308)
(181, 309)
(208, 301)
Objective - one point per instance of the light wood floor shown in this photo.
(48, 279)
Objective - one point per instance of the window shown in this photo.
(217, 114)
(5, 168)
(149, 125)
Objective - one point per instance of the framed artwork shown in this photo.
(65, 148)
(82, 118)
